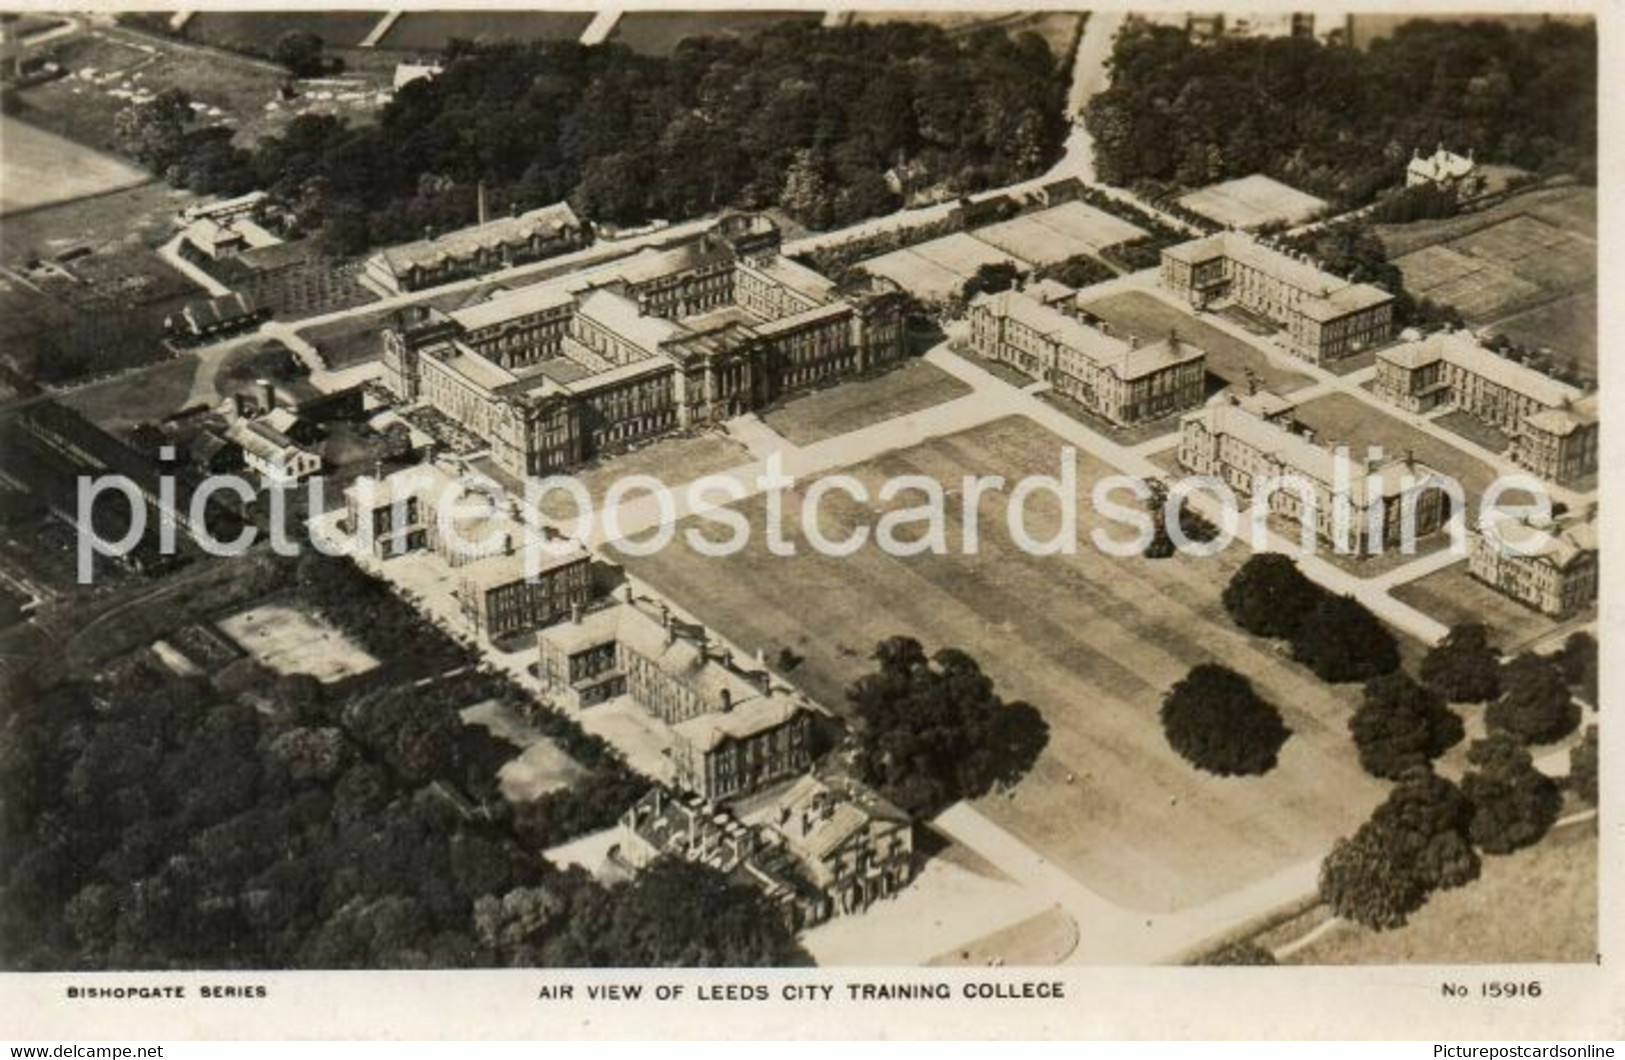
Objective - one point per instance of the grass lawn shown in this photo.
(908, 388)
(261, 30)
(653, 32)
(1474, 430)
(144, 396)
(1568, 327)
(1341, 418)
(1535, 906)
(1228, 358)
(1093, 641)
(674, 461)
(43, 168)
(351, 341)
(1452, 596)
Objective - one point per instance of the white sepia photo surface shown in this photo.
(704, 520)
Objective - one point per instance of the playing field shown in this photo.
(430, 30)
(292, 642)
(1253, 201)
(863, 402)
(659, 32)
(1091, 640)
(1228, 358)
(1058, 233)
(1567, 326)
(937, 269)
(38, 167)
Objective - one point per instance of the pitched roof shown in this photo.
(1327, 296)
(1125, 359)
(545, 221)
(1462, 350)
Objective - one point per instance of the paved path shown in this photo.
(384, 25)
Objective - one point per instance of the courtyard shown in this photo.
(290, 641)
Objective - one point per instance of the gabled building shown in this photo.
(1442, 169)
(271, 454)
(497, 244)
(1552, 425)
(1248, 441)
(1553, 569)
(1124, 380)
(854, 846)
(1325, 317)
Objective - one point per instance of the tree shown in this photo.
(1401, 725)
(1464, 667)
(681, 914)
(1270, 596)
(1215, 720)
(1365, 880)
(1579, 661)
(932, 731)
(1535, 706)
(1514, 804)
(1583, 766)
(301, 52)
(991, 278)
(154, 132)
(1340, 640)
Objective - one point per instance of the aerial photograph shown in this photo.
(746, 488)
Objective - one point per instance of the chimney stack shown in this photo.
(267, 394)
(479, 194)
(575, 613)
(727, 701)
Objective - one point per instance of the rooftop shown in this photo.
(1123, 358)
(546, 222)
(1462, 350)
(1329, 296)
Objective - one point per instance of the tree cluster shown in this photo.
(1335, 636)
(1343, 122)
(930, 731)
(1401, 725)
(1218, 723)
(1464, 667)
(1535, 706)
(1514, 804)
(1415, 842)
(1418, 202)
(804, 117)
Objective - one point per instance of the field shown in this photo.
(660, 32)
(860, 403)
(1552, 887)
(937, 269)
(119, 403)
(1228, 358)
(260, 30)
(674, 461)
(1341, 418)
(1452, 595)
(1253, 201)
(1092, 641)
(1058, 233)
(292, 642)
(428, 31)
(41, 168)
(1527, 266)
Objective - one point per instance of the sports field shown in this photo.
(1253, 201)
(937, 269)
(430, 30)
(1058, 233)
(1091, 640)
(1228, 358)
(38, 168)
(653, 32)
(292, 642)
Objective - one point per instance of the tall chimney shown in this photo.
(267, 394)
(479, 194)
(727, 701)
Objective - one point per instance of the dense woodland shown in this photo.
(149, 820)
(1341, 122)
(802, 117)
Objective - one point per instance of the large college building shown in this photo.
(736, 728)
(511, 578)
(552, 374)
(1123, 379)
(1552, 569)
(1325, 317)
(1247, 440)
(1553, 426)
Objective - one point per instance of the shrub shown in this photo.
(1215, 720)
(1583, 766)
(1535, 706)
